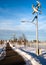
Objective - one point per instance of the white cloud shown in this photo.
(42, 26)
(6, 24)
(10, 25)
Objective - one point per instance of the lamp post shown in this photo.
(36, 24)
(36, 10)
(37, 49)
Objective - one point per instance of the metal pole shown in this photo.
(37, 34)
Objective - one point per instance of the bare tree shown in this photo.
(24, 39)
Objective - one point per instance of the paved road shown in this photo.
(12, 57)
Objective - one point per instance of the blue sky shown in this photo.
(13, 11)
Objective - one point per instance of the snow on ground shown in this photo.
(2, 51)
(44, 55)
(29, 59)
(32, 51)
(29, 49)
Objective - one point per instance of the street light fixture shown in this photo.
(29, 21)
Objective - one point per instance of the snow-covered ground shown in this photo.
(32, 52)
(29, 48)
(2, 51)
(28, 58)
